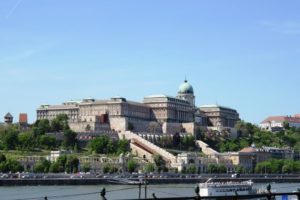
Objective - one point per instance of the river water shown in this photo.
(112, 191)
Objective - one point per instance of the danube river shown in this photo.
(112, 191)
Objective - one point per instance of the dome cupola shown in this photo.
(186, 88)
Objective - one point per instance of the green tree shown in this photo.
(164, 141)
(11, 166)
(149, 167)
(263, 167)
(102, 144)
(42, 166)
(41, 127)
(290, 140)
(2, 158)
(240, 169)
(286, 125)
(215, 168)
(192, 169)
(60, 123)
(10, 140)
(62, 161)
(212, 168)
(55, 168)
(26, 141)
(132, 165)
(222, 169)
(188, 142)
(85, 167)
(56, 125)
(69, 138)
(47, 141)
(243, 143)
(123, 146)
(288, 166)
(198, 133)
(160, 163)
(72, 164)
(276, 166)
(229, 145)
(106, 168)
(4, 167)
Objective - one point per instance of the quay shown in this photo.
(101, 181)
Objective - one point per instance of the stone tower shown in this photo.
(8, 118)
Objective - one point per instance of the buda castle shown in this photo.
(157, 113)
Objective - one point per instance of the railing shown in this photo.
(268, 196)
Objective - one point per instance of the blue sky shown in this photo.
(241, 54)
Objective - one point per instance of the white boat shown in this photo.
(123, 181)
(226, 188)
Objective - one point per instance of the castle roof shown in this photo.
(8, 115)
(281, 119)
(186, 88)
(23, 118)
(216, 106)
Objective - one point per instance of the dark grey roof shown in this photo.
(8, 115)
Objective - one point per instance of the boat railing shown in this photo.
(222, 184)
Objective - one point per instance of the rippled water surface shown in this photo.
(112, 191)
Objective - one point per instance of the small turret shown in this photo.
(8, 118)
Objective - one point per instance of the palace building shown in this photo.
(119, 114)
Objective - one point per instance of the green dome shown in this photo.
(186, 88)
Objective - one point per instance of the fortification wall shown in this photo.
(189, 127)
(118, 123)
(88, 126)
(171, 128)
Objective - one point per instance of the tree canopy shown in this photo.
(249, 134)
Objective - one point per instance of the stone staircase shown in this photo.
(147, 148)
(206, 149)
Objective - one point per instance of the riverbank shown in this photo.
(101, 181)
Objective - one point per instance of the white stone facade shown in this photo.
(171, 114)
(169, 109)
(220, 116)
(276, 122)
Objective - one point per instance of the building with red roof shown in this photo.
(297, 115)
(23, 119)
(273, 123)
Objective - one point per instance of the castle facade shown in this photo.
(158, 113)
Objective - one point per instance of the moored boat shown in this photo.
(226, 188)
(123, 181)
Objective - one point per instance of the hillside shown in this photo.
(251, 134)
